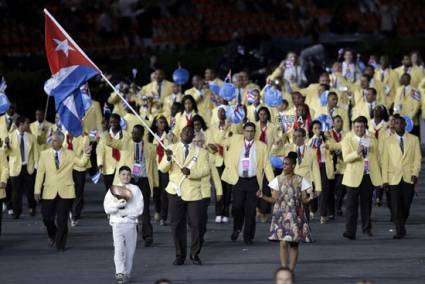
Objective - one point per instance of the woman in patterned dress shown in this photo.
(289, 224)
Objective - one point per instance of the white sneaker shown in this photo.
(74, 223)
(4, 207)
(10, 211)
(225, 219)
(218, 219)
(311, 215)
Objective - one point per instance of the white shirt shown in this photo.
(399, 137)
(115, 135)
(60, 152)
(130, 212)
(26, 146)
(142, 160)
(274, 184)
(189, 147)
(252, 160)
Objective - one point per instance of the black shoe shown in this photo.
(61, 249)
(331, 217)
(196, 260)
(178, 261)
(235, 235)
(148, 242)
(368, 233)
(51, 242)
(397, 237)
(339, 212)
(248, 242)
(15, 216)
(348, 236)
(32, 212)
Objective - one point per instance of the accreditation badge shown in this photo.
(137, 170)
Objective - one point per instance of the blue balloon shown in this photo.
(228, 91)
(409, 123)
(180, 76)
(214, 88)
(123, 124)
(326, 122)
(277, 162)
(4, 103)
(272, 97)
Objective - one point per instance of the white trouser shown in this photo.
(125, 240)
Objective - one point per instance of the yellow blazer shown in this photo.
(57, 181)
(360, 109)
(93, 118)
(233, 151)
(271, 133)
(374, 83)
(131, 120)
(217, 136)
(78, 146)
(119, 106)
(312, 98)
(3, 126)
(104, 155)
(214, 175)
(416, 74)
(328, 158)
(354, 171)
(397, 165)
(127, 148)
(390, 84)
(151, 89)
(336, 146)
(14, 154)
(4, 173)
(190, 187)
(404, 104)
(309, 167)
(41, 134)
(202, 101)
(181, 122)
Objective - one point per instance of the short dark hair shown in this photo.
(124, 168)
(201, 121)
(163, 280)
(337, 116)
(249, 124)
(373, 90)
(399, 117)
(21, 120)
(302, 131)
(286, 269)
(115, 116)
(361, 119)
(139, 127)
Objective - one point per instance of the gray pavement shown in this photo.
(26, 258)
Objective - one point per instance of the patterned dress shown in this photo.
(289, 222)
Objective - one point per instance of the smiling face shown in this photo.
(359, 129)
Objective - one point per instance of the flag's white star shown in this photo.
(63, 45)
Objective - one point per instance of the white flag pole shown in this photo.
(109, 83)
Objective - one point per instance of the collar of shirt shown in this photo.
(361, 138)
(248, 143)
(19, 133)
(114, 135)
(300, 148)
(184, 146)
(399, 137)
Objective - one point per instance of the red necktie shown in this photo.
(160, 152)
(336, 135)
(316, 145)
(69, 142)
(116, 153)
(189, 120)
(263, 135)
(376, 133)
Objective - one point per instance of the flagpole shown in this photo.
(109, 83)
(46, 107)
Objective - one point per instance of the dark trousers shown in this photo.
(93, 159)
(222, 206)
(180, 212)
(205, 204)
(143, 184)
(324, 197)
(160, 197)
(8, 199)
(263, 206)
(401, 199)
(23, 183)
(55, 218)
(1, 213)
(244, 206)
(365, 193)
(108, 180)
(340, 191)
(78, 203)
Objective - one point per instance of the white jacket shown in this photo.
(130, 212)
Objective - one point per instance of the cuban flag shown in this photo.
(71, 69)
